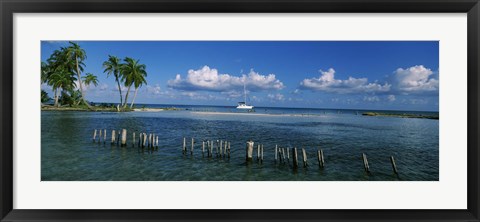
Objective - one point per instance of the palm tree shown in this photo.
(79, 55)
(112, 66)
(61, 80)
(130, 69)
(89, 78)
(138, 80)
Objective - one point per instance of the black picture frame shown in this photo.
(9, 7)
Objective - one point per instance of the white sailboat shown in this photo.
(243, 105)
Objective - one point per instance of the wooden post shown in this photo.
(133, 139)
(228, 150)
(211, 148)
(144, 140)
(124, 137)
(276, 152)
(394, 166)
(184, 148)
(216, 150)
(225, 148)
(113, 137)
(365, 162)
(100, 136)
(221, 147)
(258, 152)
(261, 155)
(283, 154)
(322, 159)
(295, 157)
(94, 135)
(104, 135)
(156, 143)
(304, 157)
(203, 148)
(191, 149)
(280, 155)
(288, 155)
(140, 139)
(249, 150)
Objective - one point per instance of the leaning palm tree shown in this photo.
(138, 80)
(130, 69)
(78, 55)
(112, 66)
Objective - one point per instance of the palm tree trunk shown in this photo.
(134, 96)
(126, 96)
(56, 98)
(119, 89)
(80, 83)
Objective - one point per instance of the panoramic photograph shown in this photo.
(239, 110)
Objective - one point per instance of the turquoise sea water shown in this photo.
(68, 153)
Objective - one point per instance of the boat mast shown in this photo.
(244, 93)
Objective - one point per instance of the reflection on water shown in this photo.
(68, 152)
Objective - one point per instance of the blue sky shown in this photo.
(385, 75)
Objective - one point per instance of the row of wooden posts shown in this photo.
(222, 148)
(282, 155)
(120, 138)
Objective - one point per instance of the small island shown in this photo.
(401, 115)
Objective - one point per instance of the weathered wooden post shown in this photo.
(113, 137)
(258, 152)
(249, 150)
(294, 157)
(140, 139)
(216, 150)
(322, 158)
(184, 148)
(156, 142)
(225, 148)
(144, 140)
(228, 150)
(261, 155)
(394, 166)
(203, 148)
(211, 148)
(280, 155)
(100, 136)
(94, 135)
(288, 155)
(304, 158)
(191, 149)
(124, 137)
(319, 157)
(104, 135)
(365, 163)
(221, 147)
(283, 154)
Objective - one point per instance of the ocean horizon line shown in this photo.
(271, 107)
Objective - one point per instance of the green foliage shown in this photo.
(44, 97)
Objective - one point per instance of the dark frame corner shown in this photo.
(9, 7)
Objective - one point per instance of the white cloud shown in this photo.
(278, 97)
(211, 80)
(415, 79)
(155, 89)
(391, 98)
(327, 83)
(371, 99)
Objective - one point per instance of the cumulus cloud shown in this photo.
(327, 83)
(211, 80)
(415, 79)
